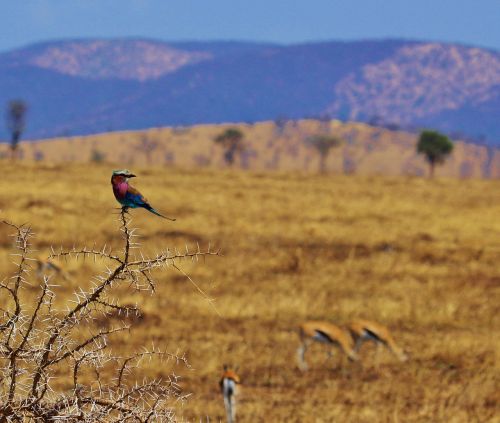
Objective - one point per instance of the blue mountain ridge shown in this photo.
(244, 82)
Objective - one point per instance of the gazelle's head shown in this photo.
(352, 356)
(231, 372)
(349, 347)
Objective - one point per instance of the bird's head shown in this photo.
(121, 175)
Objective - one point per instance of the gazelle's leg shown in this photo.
(233, 408)
(227, 406)
(377, 354)
(343, 360)
(329, 352)
(301, 351)
(358, 343)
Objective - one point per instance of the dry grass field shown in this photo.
(420, 256)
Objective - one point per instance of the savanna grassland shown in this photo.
(420, 256)
(364, 150)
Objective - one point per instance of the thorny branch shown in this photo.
(38, 341)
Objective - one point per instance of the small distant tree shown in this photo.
(280, 125)
(147, 145)
(97, 156)
(38, 155)
(323, 144)
(435, 146)
(232, 142)
(16, 121)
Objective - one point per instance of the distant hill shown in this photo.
(78, 87)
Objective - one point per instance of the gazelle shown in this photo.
(228, 383)
(367, 330)
(327, 333)
(43, 264)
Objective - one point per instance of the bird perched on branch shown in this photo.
(127, 195)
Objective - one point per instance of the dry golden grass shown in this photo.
(419, 256)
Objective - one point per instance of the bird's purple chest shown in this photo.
(120, 190)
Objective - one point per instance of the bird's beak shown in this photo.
(131, 176)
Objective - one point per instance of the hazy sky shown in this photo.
(473, 22)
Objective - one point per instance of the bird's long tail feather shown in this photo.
(152, 210)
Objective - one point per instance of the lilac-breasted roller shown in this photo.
(127, 195)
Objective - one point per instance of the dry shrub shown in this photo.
(48, 348)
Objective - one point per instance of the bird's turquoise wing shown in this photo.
(133, 198)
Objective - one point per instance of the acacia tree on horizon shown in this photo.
(436, 147)
(147, 145)
(232, 141)
(323, 143)
(16, 122)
